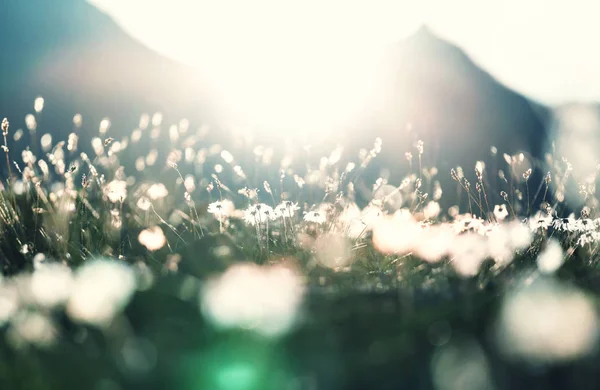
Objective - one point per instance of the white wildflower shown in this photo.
(221, 208)
(286, 209)
(116, 191)
(500, 212)
(584, 225)
(152, 238)
(101, 289)
(315, 217)
(547, 322)
(33, 328)
(257, 214)
(467, 253)
(540, 221)
(51, 285)
(144, 203)
(9, 301)
(157, 191)
(264, 299)
(565, 224)
(371, 215)
(551, 258)
(588, 238)
(431, 210)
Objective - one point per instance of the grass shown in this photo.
(161, 259)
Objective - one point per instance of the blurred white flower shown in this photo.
(9, 301)
(333, 250)
(102, 288)
(116, 191)
(286, 209)
(520, 236)
(469, 222)
(144, 203)
(265, 299)
(315, 217)
(157, 191)
(500, 212)
(221, 208)
(33, 328)
(547, 322)
(431, 210)
(467, 253)
(371, 215)
(51, 285)
(396, 235)
(152, 238)
(551, 258)
(434, 243)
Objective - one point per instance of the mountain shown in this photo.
(79, 60)
(427, 89)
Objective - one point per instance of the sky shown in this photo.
(545, 49)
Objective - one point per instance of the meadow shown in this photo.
(165, 259)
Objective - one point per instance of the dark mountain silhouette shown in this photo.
(429, 90)
(79, 60)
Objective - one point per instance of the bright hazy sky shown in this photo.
(546, 49)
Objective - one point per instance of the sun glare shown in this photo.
(304, 66)
(308, 64)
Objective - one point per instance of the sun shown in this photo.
(285, 66)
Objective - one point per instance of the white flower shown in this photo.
(264, 299)
(152, 238)
(51, 285)
(551, 258)
(257, 214)
(157, 191)
(584, 225)
(500, 212)
(32, 327)
(9, 301)
(431, 210)
(588, 238)
(468, 251)
(116, 191)
(221, 208)
(540, 221)
(101, 289)
(547, 322)
(144, 203)
(371, 215)
(468, 222)
(286, 209)
(564, 224)
(315, 217)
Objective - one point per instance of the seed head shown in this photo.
(267, 187)
(4, 127)
(420, 147)
(454, 175)
(418, 184)
(466, 183)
